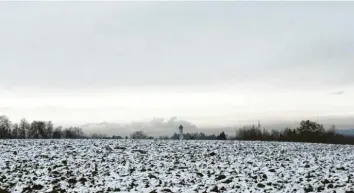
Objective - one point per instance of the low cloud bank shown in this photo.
(161, 126)
(156, 127)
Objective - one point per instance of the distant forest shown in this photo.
(308, 131)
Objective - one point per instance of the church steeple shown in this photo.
(180, 132)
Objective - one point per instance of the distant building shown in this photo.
(180, 132)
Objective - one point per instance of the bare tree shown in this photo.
(48, 129)
(5, 127)
(57, 133)
(332, 129)
(37, 130)
(24, 128)
(98, 136)
(15, 131)
(138, 135)
(73, 133)
(222, 136)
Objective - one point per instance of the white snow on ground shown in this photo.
(174, 166)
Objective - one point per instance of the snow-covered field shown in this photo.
(173, 166)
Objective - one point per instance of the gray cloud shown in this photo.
(4, 108)
(338, 92)
(117, 43)
(72, 46)
(157, 126)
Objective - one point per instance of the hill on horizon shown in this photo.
(347, 132)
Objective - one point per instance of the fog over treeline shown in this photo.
(306, 131)
(160, 126)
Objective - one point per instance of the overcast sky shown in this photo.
(210, 63)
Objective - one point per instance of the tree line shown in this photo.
(201, 136)
(308, 131)
(42, 130)
(36, 130)
(186, 136)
